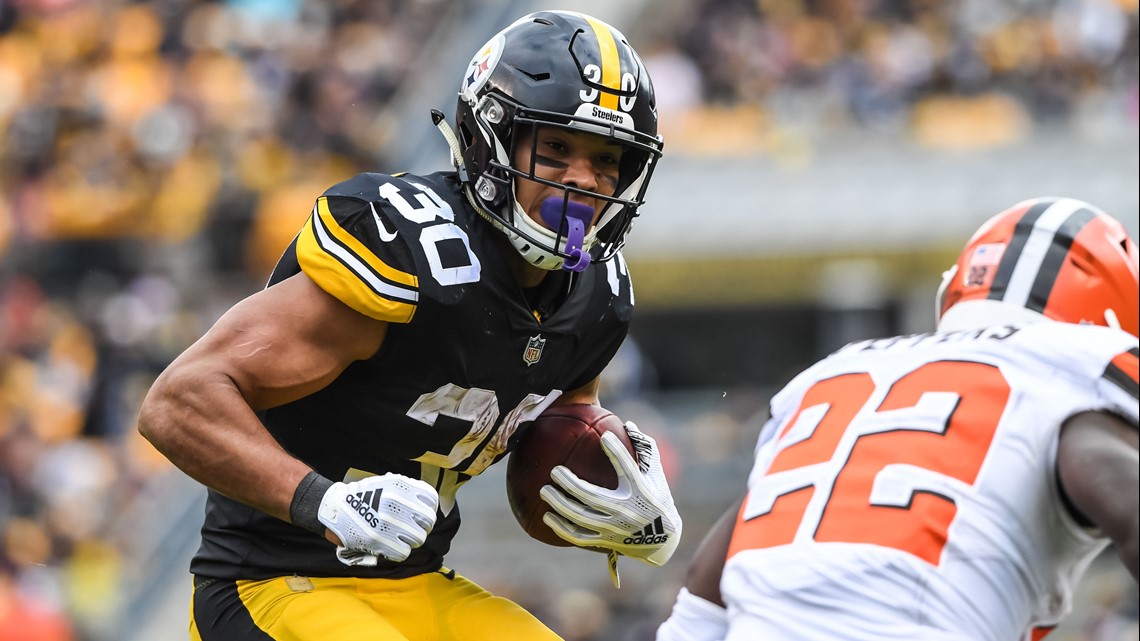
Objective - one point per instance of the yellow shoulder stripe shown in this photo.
(362, 252)
(345, 268)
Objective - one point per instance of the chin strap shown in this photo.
(440, 122)
(572, 225)
(570, 219)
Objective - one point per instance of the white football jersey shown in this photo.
(905, 488)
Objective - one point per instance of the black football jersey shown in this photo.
(465, 366)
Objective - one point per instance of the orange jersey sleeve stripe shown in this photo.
(1124, 372)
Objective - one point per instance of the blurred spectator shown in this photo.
(582, 616)
(983, 71)
(166, 121)
(157, 158)
(1113, 613)
(23, 618)
(676, 78)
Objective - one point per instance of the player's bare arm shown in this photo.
(699, 614)
(703, 577)
(276, 346)
(1099, 471)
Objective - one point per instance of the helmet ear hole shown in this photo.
(1081, 264)
(465, 135)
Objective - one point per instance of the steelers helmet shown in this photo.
(1059, 258)
(564, 70)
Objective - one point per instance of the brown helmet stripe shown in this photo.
(1055, 258)
(1038, 249)
(1016, 245)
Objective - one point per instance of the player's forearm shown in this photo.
(1125, 532)
(703, 579)
(1099, 470)
(206, 429)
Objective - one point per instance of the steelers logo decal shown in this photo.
(480, 67)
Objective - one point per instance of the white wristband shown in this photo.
(694, 619)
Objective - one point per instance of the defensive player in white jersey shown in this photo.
(949, 486)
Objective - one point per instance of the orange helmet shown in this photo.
(1058, 257)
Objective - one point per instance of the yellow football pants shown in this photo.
(437, 606)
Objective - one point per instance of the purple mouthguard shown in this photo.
(572, 226)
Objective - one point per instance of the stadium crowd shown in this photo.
(157, 156)
(953, 75)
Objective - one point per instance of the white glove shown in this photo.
(379, 516)
(637, 519)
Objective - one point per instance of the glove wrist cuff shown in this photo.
(307, 502)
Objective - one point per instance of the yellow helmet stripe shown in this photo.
(611, 62)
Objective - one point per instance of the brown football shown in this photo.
(567, 435)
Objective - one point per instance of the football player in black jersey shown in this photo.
(407, 337)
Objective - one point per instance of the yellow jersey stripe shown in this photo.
(345, 276)
(611, 62)
(362, 252)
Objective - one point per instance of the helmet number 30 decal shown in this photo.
(593, 74)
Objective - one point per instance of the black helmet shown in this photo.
(566, 70)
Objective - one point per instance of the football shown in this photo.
(567, 435)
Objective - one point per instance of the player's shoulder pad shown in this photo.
(785, 401)
(1119, 384)
(1123, 372)
(351, 248)
(1071, 346)
(1108, 356)
(364, 187)
(386, 244)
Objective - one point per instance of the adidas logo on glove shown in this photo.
(653, 534)
(366, 504)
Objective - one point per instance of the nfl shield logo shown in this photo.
(533, 350)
